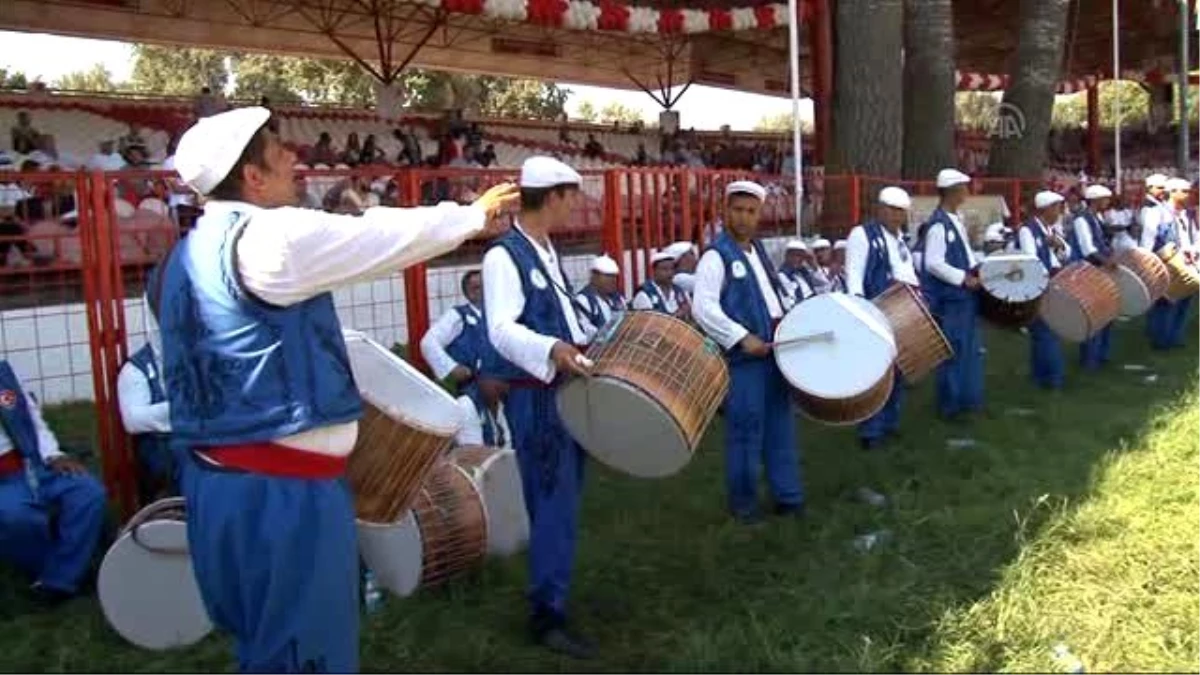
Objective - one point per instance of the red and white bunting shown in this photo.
(965, 81)
(613, 15)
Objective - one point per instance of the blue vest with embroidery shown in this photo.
(543, 312)
(957, 255)
(468, 348)
(1099, 240)
(741, 297)
(795, 274)
(595, 302)
(1167, 233)
(878, 274)
(1039, 243)
(658, 302)
(154, 449)
(241, 370)
(16, 419)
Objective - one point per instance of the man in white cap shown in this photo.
(950, 281)
(1036, 238)
(738, 304)
(533, 324)
(263, 402)
(684, 253)
(659, 293)
(796, 274)
(823, 252)
(145, 412)
(996, 239)
(602, 297)
(1155, 211)
(456, 346)
(837, 267)
(1166, 320)
(1088, 241)
(876, 258)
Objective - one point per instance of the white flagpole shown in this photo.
(797, 130)
(1116, 37)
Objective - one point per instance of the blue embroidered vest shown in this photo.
(595, 311)
(878, 274)
(1099, 239)
(741, 297)
(1039, 243)
(16, 419)
(241, 370)
(469, 347)
(658, 302)
(543, 312)
(153, 450)
(957, 255)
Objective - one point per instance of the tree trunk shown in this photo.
(868, 94)
(928, 88)
(1023, 122)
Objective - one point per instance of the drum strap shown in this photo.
(11, 462)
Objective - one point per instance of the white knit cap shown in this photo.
(680, 249)
(604, 265)
(746, 187)
(1178, 184)
(661, 256)
(820, 242)
(839, 245)
(208, 150)
(1156, 180)
(951, 177)
(1096, 192)
(540, 171)
(1046, 198)
(796, 245)
(895, 197)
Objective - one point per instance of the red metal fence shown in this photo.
(87, 240)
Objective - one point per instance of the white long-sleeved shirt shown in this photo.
(47, 443)
(1028, 245)
(935, 252)
(138, 414)
(685, 282)
(505, 300)
(1151, 217)
(641, 300)
(1083, 235)
(288, 255)
(441, 334)
(858, 248)
(706, 303)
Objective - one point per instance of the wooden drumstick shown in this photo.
(826, 336)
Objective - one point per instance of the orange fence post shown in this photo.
(416, 287)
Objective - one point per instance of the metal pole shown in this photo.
(1116, 39)
(1184, 128)
(797, 130)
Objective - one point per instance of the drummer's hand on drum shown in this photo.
(567, 359)
(971, 281)
(460, 374)
(64, 464)
(753, 346)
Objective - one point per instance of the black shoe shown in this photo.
(48, 597)
(747, 518)
(790, 510)
(562, 641)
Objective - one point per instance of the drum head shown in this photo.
(650, 445)
(393, 553)
(1064, 315)
(400, 391)
(499, 480)
(861, 351)
(150, 596)
(1135, 296)
(1013, 277)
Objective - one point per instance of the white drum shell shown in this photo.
(398, 390)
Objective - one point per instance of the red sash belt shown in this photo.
(278, 461)
(11, 462)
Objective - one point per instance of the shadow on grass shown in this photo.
(665, 582)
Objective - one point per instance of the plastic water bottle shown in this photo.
(372, 593)
(1066, 660)
(867, 542)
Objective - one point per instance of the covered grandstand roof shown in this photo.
(740, 44)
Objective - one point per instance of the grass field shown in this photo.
(1075, 519)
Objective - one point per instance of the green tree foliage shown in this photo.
(587, 111)
(619, 112)
(286, 80)
(976, 109)
(95, 79)
(12, 79)
(781, 123)
(177, 71)
(1133, 101)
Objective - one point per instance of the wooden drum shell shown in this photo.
(450, 514)
(1151, 271)
(921, 346)
(845, 411)
(1184, 281)
(1080, 302)
(389, 462)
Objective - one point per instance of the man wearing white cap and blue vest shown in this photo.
(51, 509)
(262, 399)
(659, 293)
(877, 257)
(1036, 238)
(795, 274)
(738, 303)
(684, 253)
(456, 346)
(950, 281)
(533, 323)
(1166, 320)
(1154, 212)
(1089, 242)
(602, 298)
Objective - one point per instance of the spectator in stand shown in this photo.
(130, 142)
(592, 149)
(475, 136)
(641, 158)
(353, 151)
(323, 152)
(12, 233)
(24, 136)
(487, 156)
(47, 153)
(370, 153)
(107, 159)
